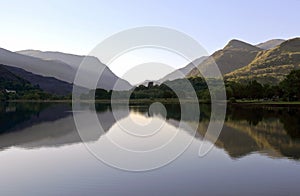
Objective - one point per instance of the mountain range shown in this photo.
(234, 55)
(270, 66)
(267, 62)
(54, 72)
(270, 44)
(107, 79)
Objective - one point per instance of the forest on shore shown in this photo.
(286, 90)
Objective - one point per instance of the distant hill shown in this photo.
(270, 44)
(107, 79)
(270, 66)
(236, 54)
(182, 72)
(177, 74)
(49, 68)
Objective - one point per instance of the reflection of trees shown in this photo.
(291, 121)
(270, 130)
(174, 111)
(288, 116)
(271, 137)
(251, 114)
(25, 114)
(46, 125)
(236, 143)
(275, 131)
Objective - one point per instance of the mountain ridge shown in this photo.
(107, 79)
(234, 55)
(270, 44)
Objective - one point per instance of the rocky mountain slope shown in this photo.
(270, 66)
(236, 54)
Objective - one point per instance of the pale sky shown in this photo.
(78, 26)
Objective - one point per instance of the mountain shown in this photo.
(270, 44)
(49, 125)
(234, 55)
(48, 84)
(107, 79)
(50, 68)
(270, 66)
(180, 73)
(177, 74)
(15, 86)
(9, 81)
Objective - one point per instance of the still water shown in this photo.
(257, 153)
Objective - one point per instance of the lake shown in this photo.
(257, 153)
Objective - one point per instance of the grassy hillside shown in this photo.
(14, 87)
(48, 84)
(234, 55)
(10, 81)
(270, 66)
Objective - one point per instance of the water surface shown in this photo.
(257, 152)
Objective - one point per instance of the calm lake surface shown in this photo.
(257, 153)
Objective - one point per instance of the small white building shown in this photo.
(10, 91)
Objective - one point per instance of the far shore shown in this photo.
(166, 101)
(268, 103)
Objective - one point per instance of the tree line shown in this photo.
(287, 90)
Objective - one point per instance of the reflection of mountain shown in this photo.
(46, 125)
(14, 117)
(270, 131)
(270, 137)
(247, 130)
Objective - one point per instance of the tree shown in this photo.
(3, 95)
(102, 94)
(291, 86)
(254, 90)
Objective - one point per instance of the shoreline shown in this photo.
(268, 103)
(167, 101)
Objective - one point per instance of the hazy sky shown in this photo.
(78, 26)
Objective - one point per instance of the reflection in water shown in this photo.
(274, 132)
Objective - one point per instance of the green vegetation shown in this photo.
(287, 90)
(166, 90)
(13, 87)
(26, 92)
